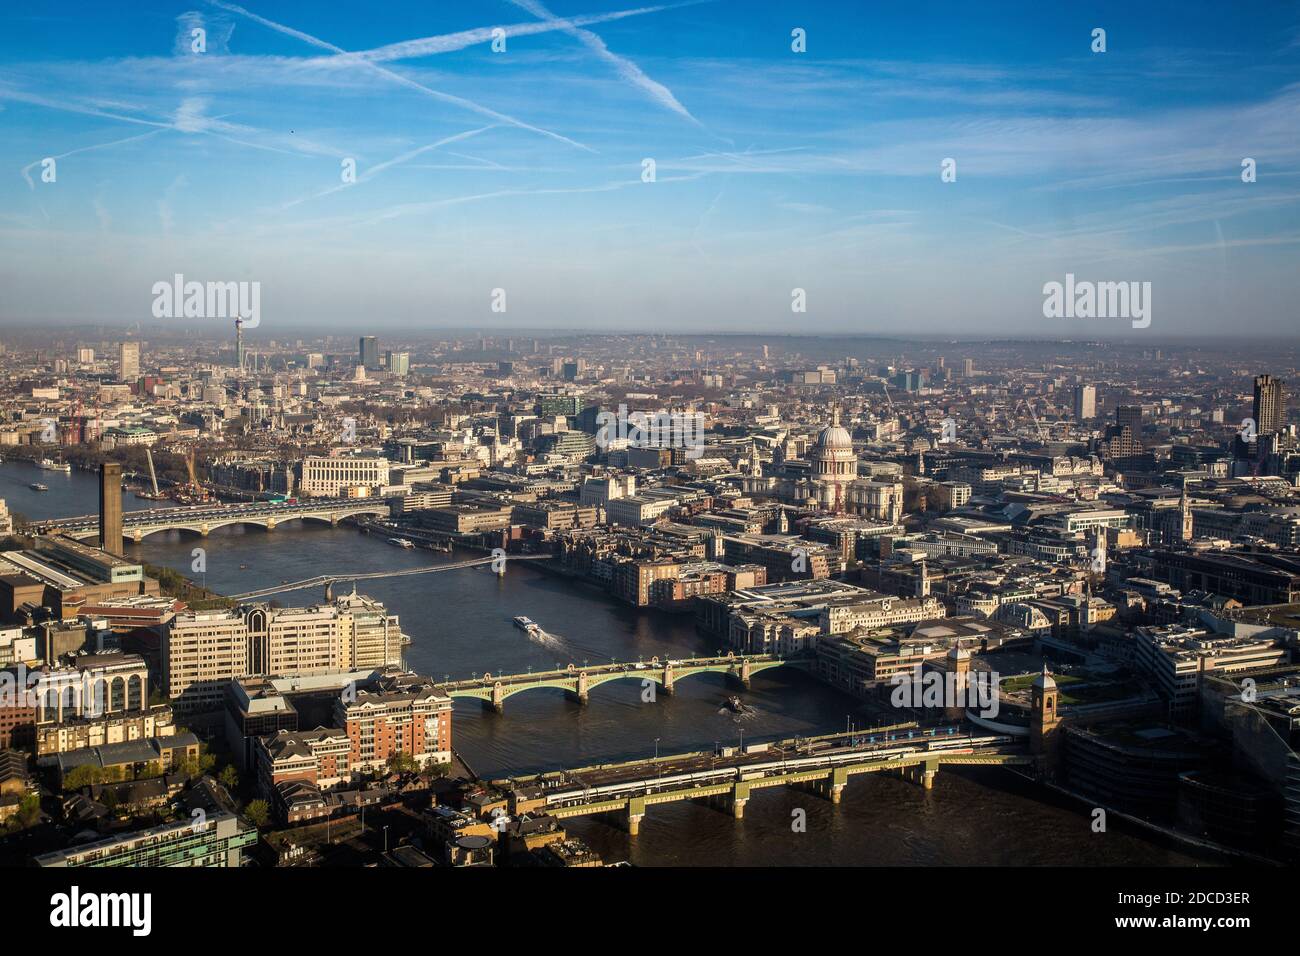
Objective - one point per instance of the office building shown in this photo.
(220, 842)
(399, 363)
(329, 477)
(1270, 405)
(1130, 415)
(128, 361)
(368, 352)
(1085, 402)
(203, 651)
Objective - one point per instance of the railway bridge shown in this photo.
(727, 780)
(203, 519)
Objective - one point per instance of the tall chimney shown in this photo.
(110, 507)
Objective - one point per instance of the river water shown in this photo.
(460, 624)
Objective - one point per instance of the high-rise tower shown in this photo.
(369, 352)
(128, 361)
(1270, 405)
(1085, 402)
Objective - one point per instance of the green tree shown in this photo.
(82, 776)
(258, 813)
(229, 777)
(402, 763)
(29, 810)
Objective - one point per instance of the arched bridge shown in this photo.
(578, 681)
(202, 519)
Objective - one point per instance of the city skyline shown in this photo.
(774, 170)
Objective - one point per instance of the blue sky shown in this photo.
(775, 170)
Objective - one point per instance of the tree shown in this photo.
(436, 770)
(82, 776)
(29, 810)
(258, 813)
(402, 763)
(229, 777)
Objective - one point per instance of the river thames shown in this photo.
(460, 625)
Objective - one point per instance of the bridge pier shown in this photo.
(732, 803)
(498, 698)
(580, 693)
(270, 524)
(668, 679)
(739, 797)
(635, 811)
(831, 787)
(922, 773)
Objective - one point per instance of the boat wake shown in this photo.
(544, 638)
(744, 712)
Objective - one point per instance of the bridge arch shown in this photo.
(133, 534)
(573, 677)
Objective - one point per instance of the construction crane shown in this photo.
(889, 399)
(153, 476)
(1037, 427)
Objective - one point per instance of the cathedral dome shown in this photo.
(834, 437)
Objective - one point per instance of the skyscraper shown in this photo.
(369, 351)
(1270, 405)
(399, 363)
(128, 361)
(1130, 415)
(1085, 402)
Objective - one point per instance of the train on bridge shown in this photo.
(564, 793)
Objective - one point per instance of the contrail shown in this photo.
(450, 42)
(397, 77)
(87, 149)
(626, 68)
(374, 171)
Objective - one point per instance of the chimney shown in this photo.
(110, 507)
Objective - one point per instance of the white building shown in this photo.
(330, 477)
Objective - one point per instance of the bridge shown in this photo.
(202, 519)
(578, 681)
(325, 580)
(727, 780)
